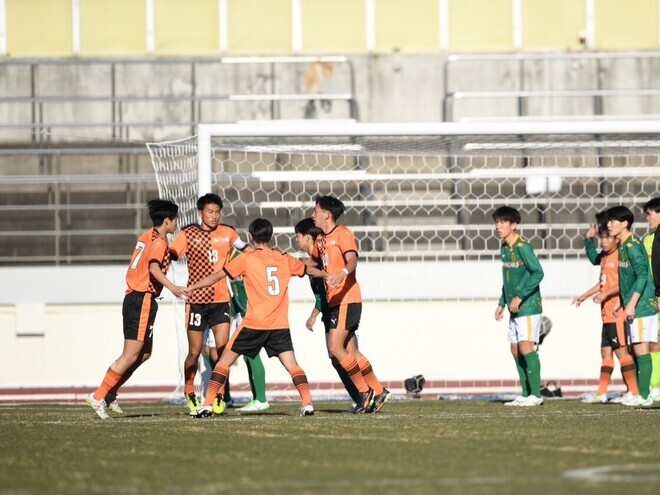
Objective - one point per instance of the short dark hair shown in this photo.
(208, 199)
(652, 204)
(331, 204)
(603, 231)
(160, 209)
(306, 227)
(506, 214)
(621, 214)
(601, 219)
(261, 230)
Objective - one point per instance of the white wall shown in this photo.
(441, 339)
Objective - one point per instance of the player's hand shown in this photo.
(577, 301)
(616, 310)
(629, 312)
(336, 279)
(310, 323)
(499, 313)
(591, 233)
(514, 307)
(180, 292)
(598, 298)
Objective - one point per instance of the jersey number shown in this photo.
(213, 255)
(139, 247)
(195, 319)
(273, 281)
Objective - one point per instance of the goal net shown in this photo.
(419, 197)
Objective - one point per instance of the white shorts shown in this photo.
(644, 329)
(524, 328)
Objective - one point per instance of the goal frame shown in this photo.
(334, 128)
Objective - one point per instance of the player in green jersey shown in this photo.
(306, 234)
(522, 274)
(638, 301)
(652, 211)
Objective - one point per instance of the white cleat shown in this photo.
(595, 399)
(517, 402)
(622, 399)
(638, 401)
(307, 410)
(655, 394)
(255, 406)
(98, 406)
(112, 404)
(532, 401)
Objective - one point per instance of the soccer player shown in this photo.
(266, 273)
(606, 293)
(306, 235)
(638, 301)
(206, 246)
(145, 279)
(652, 211)
(522, 275)
(337, 249)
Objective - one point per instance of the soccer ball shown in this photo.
(546, 326)
(415, 384)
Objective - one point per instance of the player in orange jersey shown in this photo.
(266, 274)
(337, 249)
(206, 247)
(606, 293)
(145, 279)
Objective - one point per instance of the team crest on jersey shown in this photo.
(624, 264)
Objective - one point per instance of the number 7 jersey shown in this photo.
(266, 274)
(150, 247)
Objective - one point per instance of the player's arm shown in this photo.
(210, 280)
(315, 272)
(655, 261)
(592, 253)
(350, 260)
(179, 246)
(580, 299)
(501, 304)
(640, 265)
(606, 294)
(156, 272)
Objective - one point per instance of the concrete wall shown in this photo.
(451, 337)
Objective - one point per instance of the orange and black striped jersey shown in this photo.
(609, 278)
(150, 247)
(331, 249)
(266, 274)
(206, 252)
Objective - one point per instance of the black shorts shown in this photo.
(139, 313)
(325, 318)
(249, 342)
(201, 316)
(613, 335)
(346, 316)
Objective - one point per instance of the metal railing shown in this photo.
(521, 90)
(113, 115)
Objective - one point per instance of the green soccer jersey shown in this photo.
(238, 302)
(522, 274)
(592, 253)
(635, 277)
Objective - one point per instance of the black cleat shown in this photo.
(365, 401)
(202, 412)
(380, 400)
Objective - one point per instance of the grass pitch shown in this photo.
(411, 447)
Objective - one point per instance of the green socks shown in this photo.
(644, 371)
(257, 375)
(521, 366)
(533, 373)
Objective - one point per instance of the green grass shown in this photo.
(411, 447)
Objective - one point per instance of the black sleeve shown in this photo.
(655, 261)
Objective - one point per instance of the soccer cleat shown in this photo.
(218, 406)
(255, 406)
(98, 406)
(531, 401)
(112, 404)
(515, 402)
(655, 394)
(364, 403)
(307, 410)
(638, 401)
(380, 400)
(202, 412)
(595, 399)
(622, 399)
(192, 401)
(229, 403)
